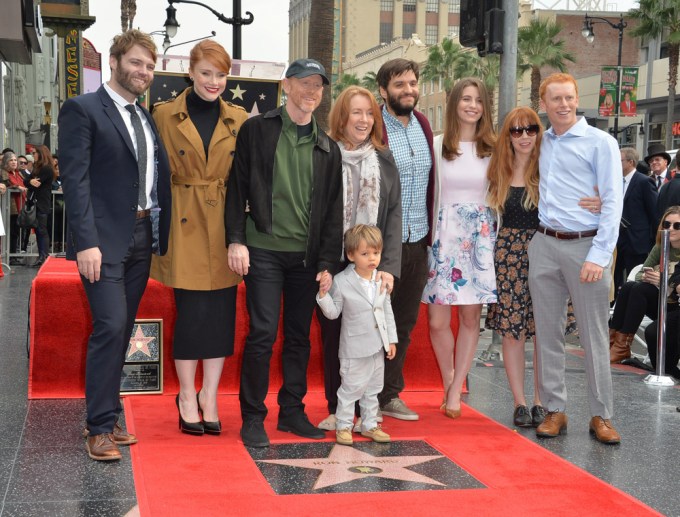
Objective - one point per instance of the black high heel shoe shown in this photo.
(195, 428)
(208, 427)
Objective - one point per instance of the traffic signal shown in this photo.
(481, 25)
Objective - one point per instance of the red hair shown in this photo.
(337, 118)
(500, 168)
(211, 51)
(558, 77)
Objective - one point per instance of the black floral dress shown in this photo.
(513, 315)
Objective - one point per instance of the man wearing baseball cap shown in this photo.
(288, 173)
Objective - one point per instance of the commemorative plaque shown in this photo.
(143, 367)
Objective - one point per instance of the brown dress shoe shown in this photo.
(120, 435)
(101, 447)
(554, 424)
(620, 350)
(604, 431)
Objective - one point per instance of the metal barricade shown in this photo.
(4, 245)
(661, 379)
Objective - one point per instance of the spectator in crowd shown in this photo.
(200, 121)
(658, 159)
(638, 219)
(409, 136)
(288, 173)
(640, 298)
(39, 185)
(371, 196)
(15, 182)
(461, 270)
(571, 253)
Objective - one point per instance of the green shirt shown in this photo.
(291, 192)
(654, 258)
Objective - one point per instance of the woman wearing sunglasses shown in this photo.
(513, 194)
(641, 298)
(461, 269)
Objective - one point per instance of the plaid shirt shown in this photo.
(412, 155)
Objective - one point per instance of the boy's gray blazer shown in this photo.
(365, 325)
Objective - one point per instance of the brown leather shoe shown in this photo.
(101, 447)
(554, 424)
(120, 435)
(620, 350)
(604, 431)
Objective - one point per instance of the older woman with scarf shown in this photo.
(372, 195)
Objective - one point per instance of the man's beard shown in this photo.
(124, 78)
(398, 109)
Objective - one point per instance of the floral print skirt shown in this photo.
(460, 261)
(513, 315)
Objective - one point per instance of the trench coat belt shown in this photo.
(211, 193)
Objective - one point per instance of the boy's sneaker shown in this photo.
(396, 408)
(328, 423)
(344, 436)
(377, 435)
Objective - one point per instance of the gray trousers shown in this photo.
(362, 380)
(554, 269)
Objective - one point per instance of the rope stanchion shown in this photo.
(660, 379)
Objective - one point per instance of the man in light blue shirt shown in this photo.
(570, 255)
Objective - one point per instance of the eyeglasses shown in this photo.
(23, 163)
(531, 130)
(666, 225)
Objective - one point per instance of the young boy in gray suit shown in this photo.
(368, 332)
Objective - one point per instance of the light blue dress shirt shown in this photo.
(571, 165)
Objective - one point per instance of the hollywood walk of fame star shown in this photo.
(139, 343)
(237, 92)
(345, 464)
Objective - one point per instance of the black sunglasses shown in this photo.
(23, 163)
(531, 130)
(667, 225)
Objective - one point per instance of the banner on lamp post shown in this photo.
(629, 86)
(608, 91)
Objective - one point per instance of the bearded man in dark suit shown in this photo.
(116, 182)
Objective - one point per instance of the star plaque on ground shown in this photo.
(142, 370)
(326, 467)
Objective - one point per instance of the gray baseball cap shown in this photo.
(305, 67)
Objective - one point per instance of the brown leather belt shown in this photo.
(143, 213)
(566, 236)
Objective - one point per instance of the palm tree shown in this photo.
(442, 61)
(486, 68)
(536, 48)
(344, 81)
(320, 45)
(370, 82)
(661, 18)
(128, 10)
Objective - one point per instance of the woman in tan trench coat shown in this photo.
(199, 131)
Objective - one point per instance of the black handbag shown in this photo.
(28, 218)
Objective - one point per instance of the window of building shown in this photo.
(454, 31)
(440, 118)
(409, 29)
(454, 6)
(385, 32)
(409, 6)
(431, 34)
(430, 116)
(387, 5)
(432, 6)
(425, 88)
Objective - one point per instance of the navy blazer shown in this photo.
(98, 168)
(638, 219)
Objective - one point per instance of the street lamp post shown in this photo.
(236, 21)
(588, 34)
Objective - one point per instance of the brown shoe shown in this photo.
(612, 333)
(604, 431)
(120, 435)
(554, 424)
(620, 350)
(101, 447)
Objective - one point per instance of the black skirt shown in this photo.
(205, 323)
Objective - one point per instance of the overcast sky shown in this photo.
(266, 39)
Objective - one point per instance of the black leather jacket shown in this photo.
(250, 185)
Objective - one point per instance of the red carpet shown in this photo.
(180, 475)
(61, 323)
